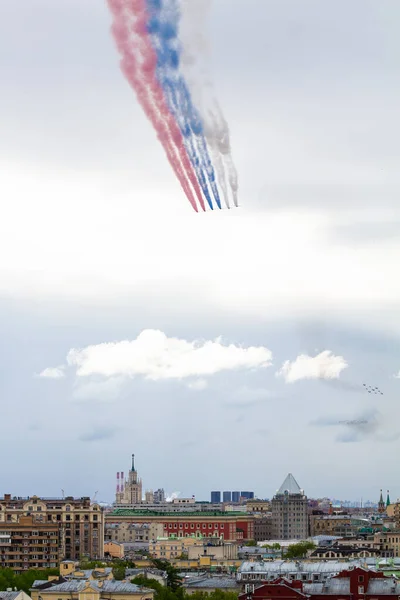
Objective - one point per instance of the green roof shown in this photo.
(129, 512)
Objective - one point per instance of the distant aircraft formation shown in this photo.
(372, 390)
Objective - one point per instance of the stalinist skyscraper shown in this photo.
(130, 491)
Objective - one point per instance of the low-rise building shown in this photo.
(256, 553)
(71, 570)
(389, 542)
(258, 506)
(354, 584)
(217, 552)
(263, 529)
(340, 525)
(14, 595)
(210, 583)
(343, 551)
(132, 533)
(156, 574)
(91, 590)
(114, 550)
(169, 548)
(229, 526)
(307, 571)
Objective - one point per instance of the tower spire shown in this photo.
(388, 499)
(133, 462)
(381, 504)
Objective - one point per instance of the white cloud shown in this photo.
(155, 356)
(322, 366)
(53, 373)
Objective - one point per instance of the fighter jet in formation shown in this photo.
(372, 390)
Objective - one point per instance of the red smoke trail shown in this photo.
(142, 77)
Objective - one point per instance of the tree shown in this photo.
(161, 592)
(24, 581)
(119, 572)
(299, 550)
(173, 579)
(251, 543)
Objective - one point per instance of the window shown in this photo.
(361, 579)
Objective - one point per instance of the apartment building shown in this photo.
(167, 548)
(132, 533)
(389, 542)
(79, 523)
(29, 545)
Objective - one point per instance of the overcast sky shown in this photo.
(262, 323)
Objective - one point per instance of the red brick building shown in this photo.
(230, 526)
(353, 584)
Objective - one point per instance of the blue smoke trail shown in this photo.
(163, 27)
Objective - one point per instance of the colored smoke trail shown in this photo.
(139, 67)
(216, 128)
(221, 136)
(163, 29)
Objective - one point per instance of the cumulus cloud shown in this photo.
(322, 366)
(155, 356)
(53, 373)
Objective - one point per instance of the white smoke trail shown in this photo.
(173, 496)
(194, 67)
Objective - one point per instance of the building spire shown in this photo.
(388, 499)
(133, 464)
(381, 504)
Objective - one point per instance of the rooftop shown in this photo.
(217, 582)
(129, 512)
(282, 566)
(289, 486)
(109, 587)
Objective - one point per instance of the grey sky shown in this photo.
(97, 243)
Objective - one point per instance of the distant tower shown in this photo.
(159, 496)
(289, 511)
(387, 499)
(381, 504)
(149, 496)
(130, 491)
(330, 508)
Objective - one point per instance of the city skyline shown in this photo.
(143, 488)
(225, 348)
